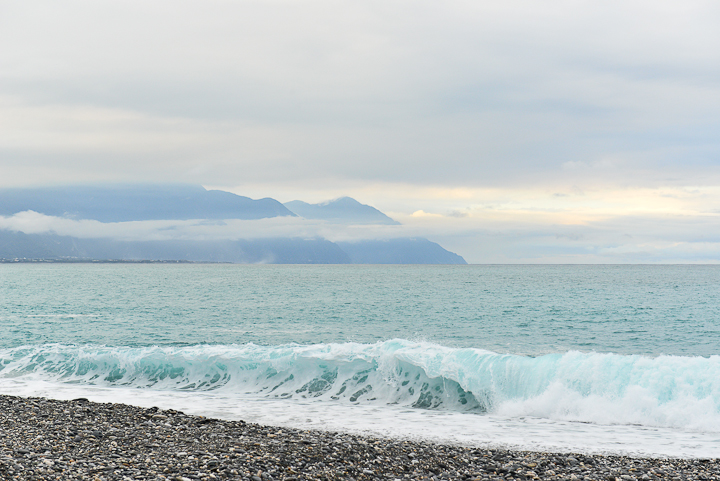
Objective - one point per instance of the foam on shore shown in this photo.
(77, 439)
(588, 402)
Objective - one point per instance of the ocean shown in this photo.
(593, 359)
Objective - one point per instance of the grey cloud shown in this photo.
(457, 93)
(458, 214)
(631, 239)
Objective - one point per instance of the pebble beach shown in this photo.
(50, 439)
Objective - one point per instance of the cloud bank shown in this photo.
(508, 131)
(489, 237)
(458, 93)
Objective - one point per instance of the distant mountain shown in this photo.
(17, 245)
(399, 251)
(121, 203)
(345, 210)
(124, 203)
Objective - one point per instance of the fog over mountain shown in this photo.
(51, 247)
(190, 223)
(17, 246)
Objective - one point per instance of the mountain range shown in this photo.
(123, 203)
(126, 203)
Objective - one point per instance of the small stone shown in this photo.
(115, 442)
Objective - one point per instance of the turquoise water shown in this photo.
(609, 358)
(528, 310)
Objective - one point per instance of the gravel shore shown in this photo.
(47, 439)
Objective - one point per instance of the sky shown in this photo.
(508, 131)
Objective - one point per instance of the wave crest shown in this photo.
(669, 391)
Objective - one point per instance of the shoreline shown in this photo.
(50, 439)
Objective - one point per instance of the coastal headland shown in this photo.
(49, 439)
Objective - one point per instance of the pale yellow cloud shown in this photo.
(422, 213)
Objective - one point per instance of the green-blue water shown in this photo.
(630, 347)
(528, 310)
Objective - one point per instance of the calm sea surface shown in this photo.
(582, 358)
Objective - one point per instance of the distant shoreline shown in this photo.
(50, 439)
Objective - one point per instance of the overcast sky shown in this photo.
(508, 131)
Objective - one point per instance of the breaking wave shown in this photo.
(667, 391)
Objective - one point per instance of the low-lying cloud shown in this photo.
(480, 237)
(30, 222)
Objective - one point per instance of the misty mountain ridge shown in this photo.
(345, 210)
(125, 203)
(142, 202)
(18, 246)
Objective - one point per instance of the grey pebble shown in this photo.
(79, 440)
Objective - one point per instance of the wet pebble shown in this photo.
(78, 440)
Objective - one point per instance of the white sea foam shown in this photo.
(666, 405)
